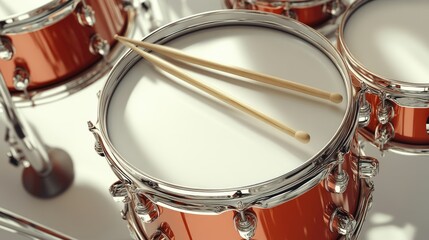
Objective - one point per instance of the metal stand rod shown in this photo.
(48, 171)
(21, 226)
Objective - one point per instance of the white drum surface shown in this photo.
(168, 130)
(390, 38)
(17, 7)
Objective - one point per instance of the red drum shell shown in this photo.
(304, 217)
(312, 15)
(56, 52)
(409, 123)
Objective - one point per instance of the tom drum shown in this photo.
(53, 48)
(191, 167)
(387, 56)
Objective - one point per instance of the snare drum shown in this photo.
(320, 14)
(388, 58)
(46, 44)
(191, 167)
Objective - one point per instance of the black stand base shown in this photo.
(53, 183)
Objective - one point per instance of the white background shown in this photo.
(86, 210)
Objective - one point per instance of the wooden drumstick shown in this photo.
(175, 71)
(268, 79)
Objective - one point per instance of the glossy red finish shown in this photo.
(409, 123)
(312, 16)
(54, 53)
(304, 217)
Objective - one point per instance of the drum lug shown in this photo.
(342, 222)
(385, 112)
(384, 130)
(6, 49)
(99, 45)
(163, 233)
(383, 133)
(245, 223)
(146, 210)
(21, 79)
(97, 145)
(288, 12)
(159, 235)
(118, 191)
(364, 108)
(338, 179)
(368, 167)
(335, 8)
(86, 15)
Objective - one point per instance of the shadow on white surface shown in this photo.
(399, 211)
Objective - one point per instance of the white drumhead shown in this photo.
(18, 7)
(390, 39)
(176, 134)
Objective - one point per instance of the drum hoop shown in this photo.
(403, 93)
(327, 28)
(266, 194)
(38, 18)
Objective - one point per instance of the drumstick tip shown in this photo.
(335, 97)
(302, 136)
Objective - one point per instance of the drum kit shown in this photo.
(186, 163)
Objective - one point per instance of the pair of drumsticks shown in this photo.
(301, 136)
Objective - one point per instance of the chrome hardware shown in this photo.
(48, 171)
(26, 228)
(335, 8)
(21, 79)
(97, 145)
(288, 12)
(86, 15)
(337, 181)
(342, 222)
(98, 149)
(118, 191)
(99, 45)
(383, 133)
(384, 130)
(364, 115)
(145, 209)
(15, 155)
(245, 223)
(163, 233)
(159, 235)
(368, 167)
(125, 210)
(30, 21)
(6, 49)
(385, 112)
(427, 126)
